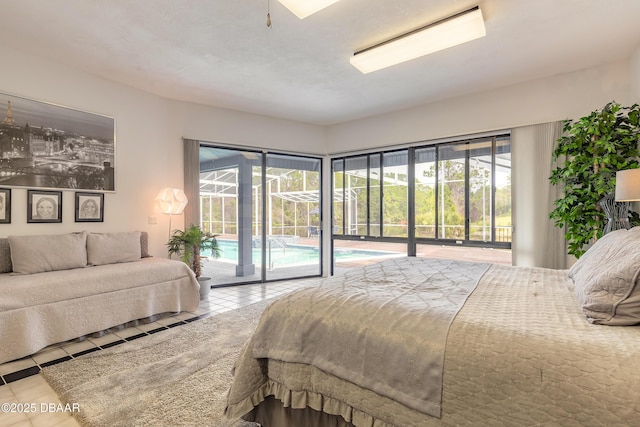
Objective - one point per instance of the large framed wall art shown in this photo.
(49, 146)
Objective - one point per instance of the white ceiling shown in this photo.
(221, 53)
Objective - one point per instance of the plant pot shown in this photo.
(205, 287)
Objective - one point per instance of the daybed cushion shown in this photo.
(46, 308)
(113, 248)
(606, 279)
(36, 254)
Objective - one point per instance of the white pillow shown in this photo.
(36, 254)
(111, 248)
(606, 279)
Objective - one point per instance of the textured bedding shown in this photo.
(40, 309)
(369, 327)
(519, 352)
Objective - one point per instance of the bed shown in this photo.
(428, 342)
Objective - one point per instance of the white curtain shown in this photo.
(537, 242)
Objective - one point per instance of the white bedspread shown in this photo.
(519, 352)
(384, 328)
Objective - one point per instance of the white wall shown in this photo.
(635, 75)
(559, 97)
(150, 129)
(149, 132)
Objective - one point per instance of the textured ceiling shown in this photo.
(221, 53)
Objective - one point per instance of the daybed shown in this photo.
(59, 287)
(423, 342)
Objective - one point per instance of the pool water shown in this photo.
(293, 254)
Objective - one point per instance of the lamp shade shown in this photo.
(171, 201)
(628, 185)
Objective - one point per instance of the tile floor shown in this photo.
(23, 389)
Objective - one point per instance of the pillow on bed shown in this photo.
(36, 254)
(606, 279)
(112, 248)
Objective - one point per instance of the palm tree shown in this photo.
(190, 243)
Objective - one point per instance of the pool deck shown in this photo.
(224, 273)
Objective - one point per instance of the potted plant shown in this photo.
(592, 149)
(190, 244)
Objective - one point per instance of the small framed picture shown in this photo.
(5, 206)
(44, 206)
(89, 207)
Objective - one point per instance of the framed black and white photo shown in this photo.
(49, 146)
(44, 206)
(5, 206)
(89, 207)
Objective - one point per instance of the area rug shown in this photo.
(177, 377)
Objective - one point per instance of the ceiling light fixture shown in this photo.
(454, 30)
(304, 8)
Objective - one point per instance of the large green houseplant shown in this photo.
(590, 152)
(189, 245)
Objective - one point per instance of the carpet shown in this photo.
(177, 377)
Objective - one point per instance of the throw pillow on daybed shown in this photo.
(112, 248)
(606, 279)
(36, 254)
(5, 256)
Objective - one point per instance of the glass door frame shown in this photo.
(263, 267)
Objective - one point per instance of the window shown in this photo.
(449, 193)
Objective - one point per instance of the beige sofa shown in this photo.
(55, 288)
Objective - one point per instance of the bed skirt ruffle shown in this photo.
(301, 399)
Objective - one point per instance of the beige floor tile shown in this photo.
(14, 419)
(167, 321)
(6, 394)
(28, 389)
(49, 355)
(105, 339)
(51, 417)
(184, 316)
(129, 332)
(201, 310)
(69, 422)
(18, 365)
(77, 347)
(150, 326)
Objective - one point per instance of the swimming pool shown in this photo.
(295, 254)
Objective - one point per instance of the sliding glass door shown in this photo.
(265, 209)
(410, 201)
(292, 217)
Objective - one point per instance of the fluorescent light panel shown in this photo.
(304, 8)
(457, 29)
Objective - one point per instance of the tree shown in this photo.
(592, 149)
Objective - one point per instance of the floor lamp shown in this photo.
(171, 201)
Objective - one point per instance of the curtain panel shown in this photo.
(537, 242)
(192, 181)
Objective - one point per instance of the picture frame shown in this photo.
(5, 206)
(50, 146)
(44, 206)
(89, 207)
